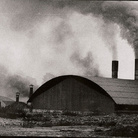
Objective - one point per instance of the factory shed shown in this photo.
(88, 93)
(124, 92)
(73, 93)
(78, 93)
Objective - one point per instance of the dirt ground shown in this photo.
(117, 126)
(13, 127)
(56, 131)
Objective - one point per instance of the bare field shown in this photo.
(14, 127)
(56, 131)
(71, 126)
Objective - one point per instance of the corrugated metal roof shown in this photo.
(121, 90)
(49, 84)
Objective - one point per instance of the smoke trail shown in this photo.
(10, 84)
(122, 13)
(86, 64)
(110, 37)
(57, 37)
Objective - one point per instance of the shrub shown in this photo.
(64, 123)
(107, 123)
(47, 124)
(69, 113)
(37, 117)
(124, 131)
(28, 124)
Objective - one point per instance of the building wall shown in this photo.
(72, 95)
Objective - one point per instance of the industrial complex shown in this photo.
(94, 94)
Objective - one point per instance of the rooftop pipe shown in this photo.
(31, 90)
(136, 69)
(114, 69)
(17, 96)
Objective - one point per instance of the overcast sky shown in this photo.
(42, 39)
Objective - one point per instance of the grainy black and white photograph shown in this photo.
(69, 68)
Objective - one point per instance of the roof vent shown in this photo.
(17, 96)
(114, 69)
(136, 69)
(31, 90)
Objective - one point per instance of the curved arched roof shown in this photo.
(49, 84)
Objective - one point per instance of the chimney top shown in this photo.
(31, 85)
(115, 69)
(136, 69)
(17, 96)
(17, 93)
(31, 90)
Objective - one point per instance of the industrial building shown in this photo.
(95, 94)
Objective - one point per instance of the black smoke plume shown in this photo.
(23, 21)
(113, 12)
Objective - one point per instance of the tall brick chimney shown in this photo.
(136, 69)
(114, 69)
(31, 90)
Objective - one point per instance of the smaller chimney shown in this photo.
(17, 96)
(31, 90)
(114, 69)
(136, 69)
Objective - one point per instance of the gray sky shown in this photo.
(41, 39)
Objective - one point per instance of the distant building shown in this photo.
(5, 101)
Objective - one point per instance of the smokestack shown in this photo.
(31, 90)
(17, 96)
(136, 69)
(114, 69)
